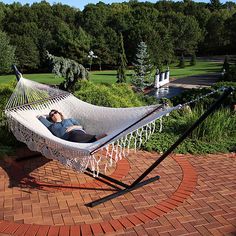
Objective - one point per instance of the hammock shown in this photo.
(123, 125)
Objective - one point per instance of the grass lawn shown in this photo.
(109, 77)
(42, 78)
(202, 67)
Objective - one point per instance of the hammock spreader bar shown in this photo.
(29, 104)
(137, 183)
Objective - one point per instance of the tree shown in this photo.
(142, 67)
(215, 40)
(2, 14)
(169, 28)
(230, 25)
(7, 55)
(186, 33)
(215, 5)
(193, 60)
(226, 64)
(69, 69)
(122, 62)
(83, 44)
(27, 53)
(182, 61)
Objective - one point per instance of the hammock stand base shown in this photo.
(120, 191)
(138, 182)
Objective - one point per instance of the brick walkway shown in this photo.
(196, 195)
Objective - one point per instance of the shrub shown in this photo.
(217, 127)
(193, 94)
(7, 139)
(115, 95)
(189, 95)
(230, 71)
(231, 99)
(216, 134)
(5, 150)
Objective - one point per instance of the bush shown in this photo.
(193, 94)
(115, 95)
(230, 72)
(231, 99)
(7, 139)
(218, 126)
(216, 134)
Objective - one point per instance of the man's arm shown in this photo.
(46, 122)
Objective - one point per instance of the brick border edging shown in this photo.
(184, 190)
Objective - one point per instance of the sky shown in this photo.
(81, 3)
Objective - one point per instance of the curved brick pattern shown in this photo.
(45, 193)
(211, 210)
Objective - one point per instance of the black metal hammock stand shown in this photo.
(139, 182)
(123, 188)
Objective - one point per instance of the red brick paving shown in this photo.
(196, 195)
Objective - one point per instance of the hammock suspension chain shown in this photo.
(202, 97)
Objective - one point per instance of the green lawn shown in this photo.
(42, 78)
(202, 67)
(109, 77)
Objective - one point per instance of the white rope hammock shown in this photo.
(123, 125)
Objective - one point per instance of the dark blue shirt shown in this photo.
(59, 128)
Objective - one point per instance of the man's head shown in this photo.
(55, 116)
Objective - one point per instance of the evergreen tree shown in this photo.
(69, 69)
(142, 67)
(226, 64)
(122, 62)
(27, 53)
(7, 55)
(182, 61)
(215, 5)
(193, 60)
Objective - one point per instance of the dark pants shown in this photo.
(79, 136)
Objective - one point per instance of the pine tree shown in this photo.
(122, 63)
(182, 61)
(193, 60)
(215, 5)
(226, 64)
(142, 67)
(69, 69)
(7, 54)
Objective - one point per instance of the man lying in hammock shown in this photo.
(68, 129)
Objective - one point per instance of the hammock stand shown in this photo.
(139, 182)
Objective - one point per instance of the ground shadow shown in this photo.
(207, 80)
(19, 170)
(16, 171)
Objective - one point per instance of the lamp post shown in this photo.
(91, 56)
